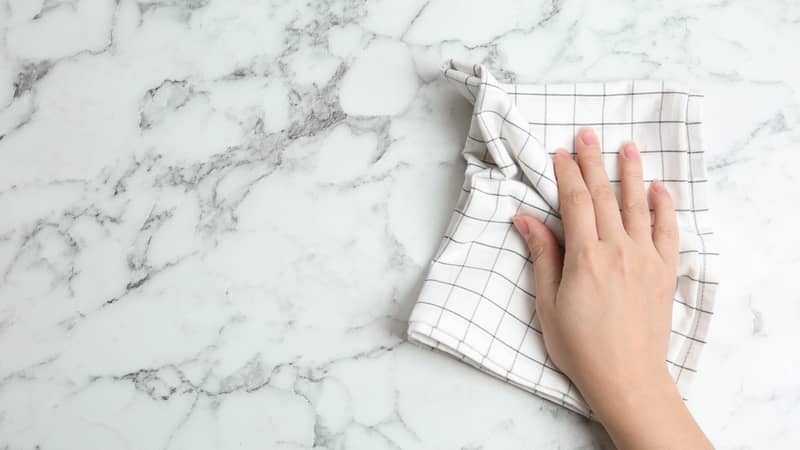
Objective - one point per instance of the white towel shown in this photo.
(476, 302)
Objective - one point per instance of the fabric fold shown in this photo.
(512, 147)
(477, 300)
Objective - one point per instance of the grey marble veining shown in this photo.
(215, 215)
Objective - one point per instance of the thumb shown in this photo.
(546, 256)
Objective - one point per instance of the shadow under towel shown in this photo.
(477, 300)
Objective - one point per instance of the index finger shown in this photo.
(577, 212)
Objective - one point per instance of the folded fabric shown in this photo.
(477, 300)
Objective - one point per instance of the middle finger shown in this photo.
(606, 208)
(576, 203)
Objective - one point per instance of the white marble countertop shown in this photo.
(215, 216)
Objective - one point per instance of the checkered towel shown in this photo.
(477, 301)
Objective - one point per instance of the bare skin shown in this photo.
(605, 305)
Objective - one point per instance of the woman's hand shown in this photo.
(605, 306)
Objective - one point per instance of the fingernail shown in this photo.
(658, 186)
(522, 227)
(630, 151)
(561, 153)
(589, 137)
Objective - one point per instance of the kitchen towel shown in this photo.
(477, 300)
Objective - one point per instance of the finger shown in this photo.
(547, 259)
(665, 224)
(635, 212)
(606, 208)
(576, 203)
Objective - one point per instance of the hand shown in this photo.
(605, 307)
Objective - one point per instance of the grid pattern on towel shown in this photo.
(477, 300)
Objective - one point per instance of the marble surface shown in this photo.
(215, 215)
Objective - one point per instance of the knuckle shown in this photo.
(590, 156)
(664, 231)
(635, 206)
(632, 170)
(586, 255)
(620, 257)
(633, 178)
(603, 191)
(578, 197)
(537, 252)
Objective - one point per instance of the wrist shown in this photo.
(646, 411)
(633, 394)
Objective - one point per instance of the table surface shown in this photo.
(215, 216)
